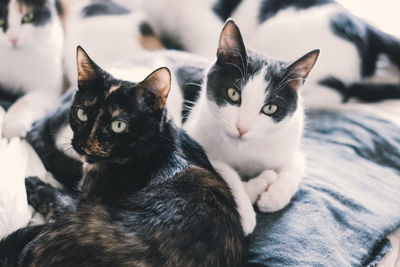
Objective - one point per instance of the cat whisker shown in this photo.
(197, 84)
(236, 66)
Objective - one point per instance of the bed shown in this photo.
(347, 205)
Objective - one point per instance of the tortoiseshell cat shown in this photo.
(150, 197)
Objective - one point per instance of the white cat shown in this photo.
(357, 60)
(108, 30)
(31, 42)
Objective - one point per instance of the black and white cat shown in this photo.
(31, 43)
(149, 195)
(357, 60)
(244, 109)
(109, 30)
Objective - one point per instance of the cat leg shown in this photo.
(49, 201)
(244, 206)
(279, 193)
(258, 185)
(27, 109)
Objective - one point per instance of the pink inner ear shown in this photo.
(86, 71)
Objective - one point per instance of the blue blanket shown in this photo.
(348, 202)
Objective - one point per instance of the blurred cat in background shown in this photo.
(357, 60)
(110, 31)
(31, 43)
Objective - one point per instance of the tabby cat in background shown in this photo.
(150, 197)
(31, 43)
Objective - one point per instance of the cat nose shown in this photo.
(241, 130)
(14, 41)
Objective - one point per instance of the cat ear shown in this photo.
(87, 69)
(153, 91)
(299, 70)
(231, 48)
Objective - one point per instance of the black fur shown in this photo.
(225, 8)
(146, 29)
(50, 202)
(270, 7)
(171, 43)
(41, 11)
(154, 199)
(363, 91)
(11, 246)
(234, 69)
(189, 79)
(7, 98)
(42, 137)
(4, 13)
(369, 41)
(103, 7)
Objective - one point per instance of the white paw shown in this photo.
(255, 187)
(248, 218)
(269, 176)
(272, 200)
(16, 124)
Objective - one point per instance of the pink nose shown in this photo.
(14, 41)
(241, 130)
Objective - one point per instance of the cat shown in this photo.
(199, 102)
(31, 43)
(109, 30)
(358, 62)
(149, 195)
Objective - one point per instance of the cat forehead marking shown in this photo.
(112, 90)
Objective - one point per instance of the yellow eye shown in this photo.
(269, 109)
(118, 126)
(28, 17)
(2, 22)
(81, 114)
(233, 95)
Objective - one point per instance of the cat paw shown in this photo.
(269, 176)
(40, 195)
(272, 200)
(16, 124)
(248, 220)
(255, 187)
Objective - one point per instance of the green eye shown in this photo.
(269, 109)
(81, 114)
(28, 17)
(118, 126)
(233, 95)
(2, 22)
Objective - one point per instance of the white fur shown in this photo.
(269, 152)
(34, 67)
(107, 39)
(294, 32)
(188, 22)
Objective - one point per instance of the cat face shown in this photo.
(22, 20)
(251, 95)
(113, 119)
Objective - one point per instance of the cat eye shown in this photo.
(269, 109)
(28, 17)
(2, 22)
(118, 126)
(81, 114)
(233, 95)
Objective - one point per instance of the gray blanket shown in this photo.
(348, 202)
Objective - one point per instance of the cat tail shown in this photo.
(12, 246)
(383, 43)
(365, 92)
